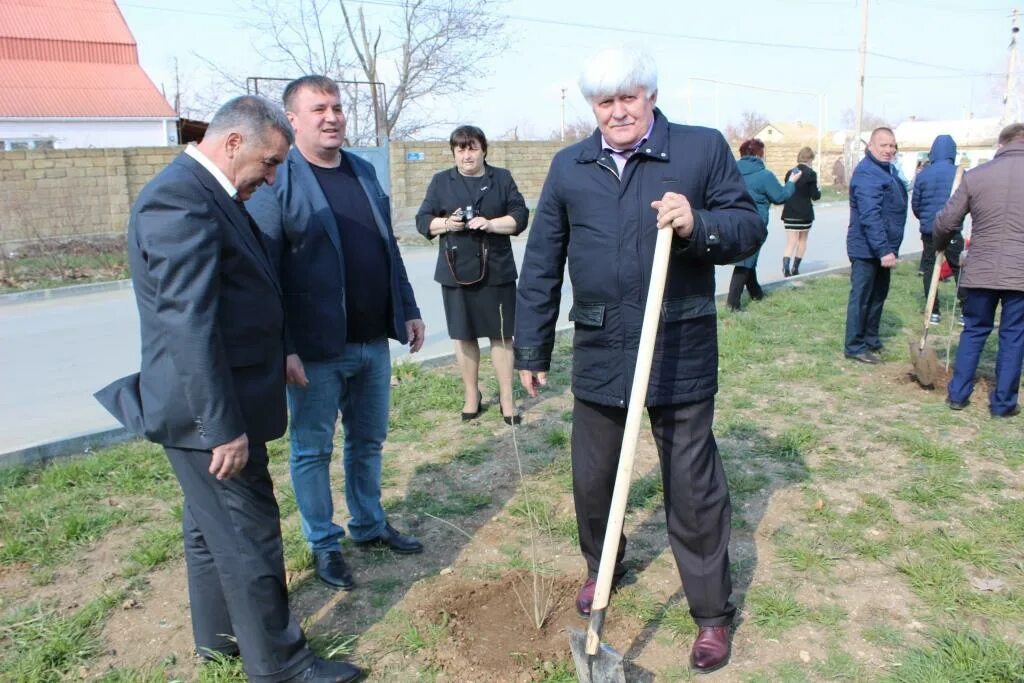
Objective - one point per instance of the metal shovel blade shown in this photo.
(604, 667)
(926, 364)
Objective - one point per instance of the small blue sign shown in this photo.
(415, 156)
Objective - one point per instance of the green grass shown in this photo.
(52, 511)
(59, 267)
(774, 610)
(40, 645)
(961, 656)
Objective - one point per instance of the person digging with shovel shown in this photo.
(601, 208)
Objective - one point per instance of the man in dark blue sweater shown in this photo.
(328, 226)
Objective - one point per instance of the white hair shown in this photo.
(618, 70)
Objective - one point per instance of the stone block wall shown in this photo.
(74, 192)
(77, 192)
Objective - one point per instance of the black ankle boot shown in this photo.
(785, 266)
(796, 265)
(736, 284)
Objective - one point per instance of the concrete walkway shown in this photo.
(55, 352)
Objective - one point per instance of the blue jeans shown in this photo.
(869, 286)
(358, 384)
(979, 315)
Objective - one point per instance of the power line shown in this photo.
(606, 27)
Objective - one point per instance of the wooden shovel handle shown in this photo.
(634, 415)
(933, 291)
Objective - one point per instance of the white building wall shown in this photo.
(78, 133)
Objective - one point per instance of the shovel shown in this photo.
(926, 363)
(595, 661)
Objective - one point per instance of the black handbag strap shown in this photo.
(451, 257)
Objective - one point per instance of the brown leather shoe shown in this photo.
(711, 649)
(585, 597)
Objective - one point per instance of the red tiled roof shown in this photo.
(68, 89)
(91, 21)
(71, 58)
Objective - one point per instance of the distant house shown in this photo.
(975, 141)
(70, 77)
(797, 132)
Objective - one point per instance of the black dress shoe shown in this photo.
(331, 568)
(512, 419)
(865, 357)
(326, 671)
(395, 541)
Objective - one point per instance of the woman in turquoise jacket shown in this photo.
(765, 189)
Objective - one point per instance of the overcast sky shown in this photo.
(935, 59)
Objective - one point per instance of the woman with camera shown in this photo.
(474, 208)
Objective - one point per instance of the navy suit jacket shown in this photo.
(301, 235)
(211, 319)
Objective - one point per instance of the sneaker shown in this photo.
(935, 319)
(960, 320)
(956, 405)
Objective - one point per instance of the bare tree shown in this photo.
(575, 130)
(868, 122)
(749, 124)
(420, 51)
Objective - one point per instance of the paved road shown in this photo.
(55, 353)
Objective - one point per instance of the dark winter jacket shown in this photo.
(935, 182)
(765, 189)
(606, 229)
(800, 207)
(991, 194)
(498, 197)
(878, 210)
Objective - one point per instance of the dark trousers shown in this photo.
(235, 560)
(743, 277)
(979, 318)
(869, 286)
(952, 254)
(697, 506)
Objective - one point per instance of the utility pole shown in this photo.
(177, 88)
(1010, 110)
(563, 114)
(859, 112)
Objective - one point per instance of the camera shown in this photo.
(467, 213)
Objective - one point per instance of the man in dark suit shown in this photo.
(328, 224)
(211, 387)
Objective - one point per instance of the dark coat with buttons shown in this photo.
(605, 228)
(498, 196)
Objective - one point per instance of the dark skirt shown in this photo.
(477, 311)
(795, 224)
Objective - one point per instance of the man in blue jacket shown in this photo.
(602, 204)
(932, 188)
(878, 213)
(328, 225)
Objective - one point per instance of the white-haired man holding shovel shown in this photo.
(602, 204)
